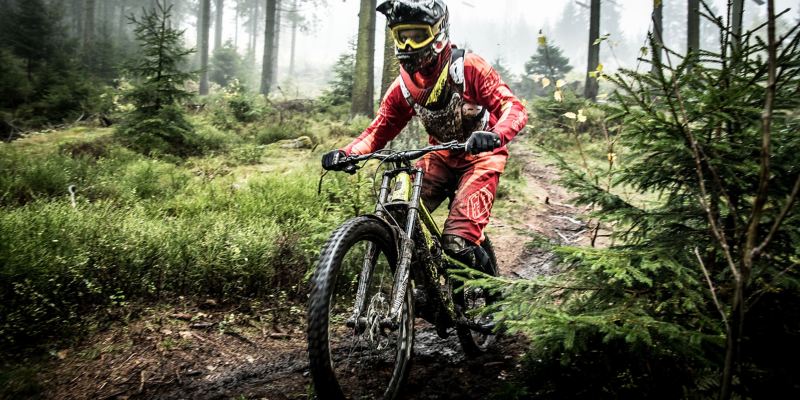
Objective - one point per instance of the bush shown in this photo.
(165, 132)
(59, 264)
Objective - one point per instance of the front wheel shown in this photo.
(349, 359)
(474, 343)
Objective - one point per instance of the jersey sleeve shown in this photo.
(393, 115)
(491, 92)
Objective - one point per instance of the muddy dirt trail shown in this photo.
(202, 351)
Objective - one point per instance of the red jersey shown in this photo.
(482, 86)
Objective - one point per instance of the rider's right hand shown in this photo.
(331, 159)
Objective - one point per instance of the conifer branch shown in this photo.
(716, 230)
(712, 289)
(766, 126)
(779, 221)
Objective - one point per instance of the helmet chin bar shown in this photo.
(414, 61)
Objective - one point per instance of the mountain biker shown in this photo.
(457, 96)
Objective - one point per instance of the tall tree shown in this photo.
(693, 26)
(88, 27)
(564, 32)
(32, 38)
(205, 26)
(591, 88)
(267, 72)
(363, 85)
(219, 6)
(295, 18)
(391, 68)
(610, 15)
(276, 41)
(737, 12)
(77, 18)
(657, 37)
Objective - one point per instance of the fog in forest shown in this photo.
(314, 34)
(503, 30)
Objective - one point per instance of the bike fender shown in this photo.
(395, 232)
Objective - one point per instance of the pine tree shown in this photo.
(700, 282)
(341, 87)
(226, 64)
(548, 61)
(158, 123)
(31, 34)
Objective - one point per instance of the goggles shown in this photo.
(415, 36)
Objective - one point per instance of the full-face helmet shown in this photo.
(420, 32)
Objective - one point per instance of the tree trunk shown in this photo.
(276, 42)
(255, 16)
(590, 91)
(737, 11)
(199, 39)
(693, 27)
(205, 27)
(88, 25)
(77, 12)
(108, 12)
(269, 46)
(295, 16)
(122, 21)
(364, 76)
(658, 36)
(236, 29)
(391, 68)
(218, 24)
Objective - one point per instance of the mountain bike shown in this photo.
(373, 274)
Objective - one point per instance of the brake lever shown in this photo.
(350, 169)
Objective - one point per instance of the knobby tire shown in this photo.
(324, 319)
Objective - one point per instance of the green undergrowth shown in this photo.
(243, 221)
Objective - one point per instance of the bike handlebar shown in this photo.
(399, 156)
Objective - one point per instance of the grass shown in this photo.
(243, 221)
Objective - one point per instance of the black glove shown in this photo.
(330, 159)
(481, 141)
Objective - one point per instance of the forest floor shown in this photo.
(201, 350)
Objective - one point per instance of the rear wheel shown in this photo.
(472, 342)
(360, 360)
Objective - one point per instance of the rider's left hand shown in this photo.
(481, 141)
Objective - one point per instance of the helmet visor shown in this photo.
(415, 36)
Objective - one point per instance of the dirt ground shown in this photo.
(199, 350)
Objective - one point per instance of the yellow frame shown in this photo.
(402, 192)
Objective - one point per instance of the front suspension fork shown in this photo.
(402, 273)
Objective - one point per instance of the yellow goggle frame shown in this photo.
(401, 43)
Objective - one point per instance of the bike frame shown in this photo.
(407, 191)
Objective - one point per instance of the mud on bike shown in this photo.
(373, 274)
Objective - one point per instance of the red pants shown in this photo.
(470, 182)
